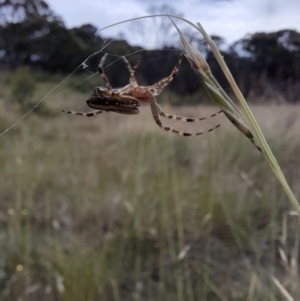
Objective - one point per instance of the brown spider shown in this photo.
(126, 100)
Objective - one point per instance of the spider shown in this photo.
(126, 100)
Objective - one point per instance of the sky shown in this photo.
(230, 19)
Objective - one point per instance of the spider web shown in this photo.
(145, 35)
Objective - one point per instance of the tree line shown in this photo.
(264, 64)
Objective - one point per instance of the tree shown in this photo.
(15, 11)
(275, 54)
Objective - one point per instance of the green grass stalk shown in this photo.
(216, 92)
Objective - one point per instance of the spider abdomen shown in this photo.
(101, 100)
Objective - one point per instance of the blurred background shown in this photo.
(114, 208)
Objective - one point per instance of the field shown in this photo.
(113, 208)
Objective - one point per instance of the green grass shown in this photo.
(99, 208)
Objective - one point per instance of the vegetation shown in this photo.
(113, 208)
(36, 41)
(23, 87)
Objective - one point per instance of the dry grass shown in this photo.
(100, 208)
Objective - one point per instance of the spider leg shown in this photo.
(135, 66)
(170, 116)
(157, 88)
(155, 114)
(105, 79)
(90, 114)
(132, 79)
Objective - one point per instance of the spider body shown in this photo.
(126, 100)
(101, 100)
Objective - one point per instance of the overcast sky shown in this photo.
(231, 19)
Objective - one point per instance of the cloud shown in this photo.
(231, 19)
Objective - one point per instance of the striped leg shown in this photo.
(132, 79)
(90, 114)
(157, 88)
(155, 114)
(135, 66)
(105, 79)
(170, 116)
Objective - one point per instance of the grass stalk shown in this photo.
(245, 121)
